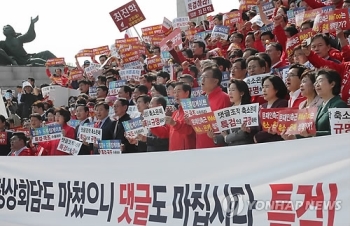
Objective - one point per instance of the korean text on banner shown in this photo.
(174, 36)
(294, 121)
(254, 84)
(128, 74)
(127, 16)
(220, 32)
(197, 8)
(89, 134)
(114, 86)
(69, 146)
(339, 119)
(269, 118)
(202, 123)
(196, 92)
(109, 147)
(195, 106)
(46, 133)
(154, 117)
(235, 116)
(134, 127)
(309, 184)
(181, 22)
(332, 20)
(55, 61)
(295, 40)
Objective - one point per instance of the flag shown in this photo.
(128, 34)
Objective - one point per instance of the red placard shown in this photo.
(330, 21)
(294, 121)
(3, 138)
(127, 16)
(130, 56)
(156, 40)
(232, 18)
(85, 53)
(125, 41)
(295, 40)
(155, 63)
(75, 75)
(269, 117)
(152, 30)
(197, 8)
(246, 4)
(100, 50)
(175, 37)
(202, 123)
(55, 61)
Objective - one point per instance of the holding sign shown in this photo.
(69, 146)
(220, 32)
(134, 127)
(195, 106)
(154, 117)
(339, 119)
(109, 147)
(254, 84)
(235, 116)
(114, 87)
(89, 134)
(47, 133)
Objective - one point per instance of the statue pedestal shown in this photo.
(12, 76)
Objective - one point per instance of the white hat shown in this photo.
(24, 84)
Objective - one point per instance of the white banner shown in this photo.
(235, 116)
(339, 118)
(254, 84)
(154, 117)
(131, 189)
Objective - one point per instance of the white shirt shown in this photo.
(293, 96)
(19, 151)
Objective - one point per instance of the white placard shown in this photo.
(181, 22)
(128, 74)
(254, 84)
(235, 116)
(339, 119)
(154, 117)
(89, 134)
(69, 146)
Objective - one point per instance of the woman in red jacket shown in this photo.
(62, 116)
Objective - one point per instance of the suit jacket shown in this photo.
(118, 134)
(322, 119)
(157, 144)
(85, 149)
(262, 136)
(107, 131)
(131, 102)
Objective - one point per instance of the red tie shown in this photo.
(98, 124)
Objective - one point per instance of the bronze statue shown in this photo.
(12, 51)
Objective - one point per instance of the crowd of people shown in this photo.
(316, 76)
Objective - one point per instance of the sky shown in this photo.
(65, 27)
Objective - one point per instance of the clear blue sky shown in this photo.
(65, 27)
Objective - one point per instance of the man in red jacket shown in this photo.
(18, 145)
(211, 80)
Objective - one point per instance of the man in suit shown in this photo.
(120, 109)
(103, 122)
(82, 113)
(153, 142)
(125, 92)
(5, 146)
(39, 107)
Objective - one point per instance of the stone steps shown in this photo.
(12, 76)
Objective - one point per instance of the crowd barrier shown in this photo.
(299, 182)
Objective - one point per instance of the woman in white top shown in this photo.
(307, 89)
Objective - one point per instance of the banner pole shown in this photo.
(137, 33)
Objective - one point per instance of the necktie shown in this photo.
(98, 124)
